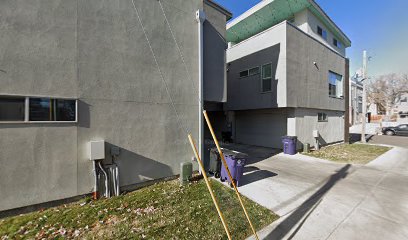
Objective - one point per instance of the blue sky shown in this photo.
(380, 27)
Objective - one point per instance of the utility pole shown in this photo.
(363, 125)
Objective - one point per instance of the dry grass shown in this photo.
(350, 153)
(161, 211)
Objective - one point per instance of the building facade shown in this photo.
(356, 101)
(125, 72)
(286, 75)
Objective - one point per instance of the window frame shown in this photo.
(249, 72)
(325, 117)
(262, 77)
(323, 33)
(338, 89)
(253, 74)
(27, 109)
(337, 43)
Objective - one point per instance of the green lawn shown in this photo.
(350, 153)
(161, 211)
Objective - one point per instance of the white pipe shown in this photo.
(107, 193)
(117, 180)
(200, 18)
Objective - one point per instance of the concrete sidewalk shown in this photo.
(318, 199)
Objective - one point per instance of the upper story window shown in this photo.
(322, 117)
(335, 85)
(33, 109)
(254, 71)
(12, 109)
(244, 74)
(266, 81)
(322, 32)
(250, 72)
(336, 43)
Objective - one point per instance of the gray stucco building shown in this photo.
(126, 72)
(287, 75)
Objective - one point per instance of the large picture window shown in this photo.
(266, 81)
(37, 109)
(335, 85)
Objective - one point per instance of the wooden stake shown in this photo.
(228, 171)
(193, 146)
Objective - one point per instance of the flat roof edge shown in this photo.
(220, 8)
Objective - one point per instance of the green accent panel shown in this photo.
(274, 13)
(268, 16)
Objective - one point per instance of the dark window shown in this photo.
(266, 83)
(336, 43)
(360, 99)
(322, 117)
(319, 31)
(404, 99)
(253, 71)
(48, 109)
(243, 73)
(322, 32)
(12, 109)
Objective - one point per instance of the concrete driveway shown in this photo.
(318, 199)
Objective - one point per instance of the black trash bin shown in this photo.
(289, 144)
(215, 163)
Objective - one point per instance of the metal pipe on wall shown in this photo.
(107, 193)
(200, 18)
(117, 180)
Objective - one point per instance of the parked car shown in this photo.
(401, 130)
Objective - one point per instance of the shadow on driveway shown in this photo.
(253, 174)
(307, 207)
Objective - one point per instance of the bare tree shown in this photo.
(386, 90)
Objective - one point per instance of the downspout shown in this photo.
(200, 18)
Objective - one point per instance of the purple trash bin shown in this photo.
(236, 163)
(289, 145)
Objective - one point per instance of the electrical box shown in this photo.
(115, 151)
(315, 133)
(97, 150)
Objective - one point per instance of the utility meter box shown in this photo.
(315, 133)
(186, 172)
(97, 150)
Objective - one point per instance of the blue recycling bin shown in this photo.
(289, 144)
